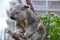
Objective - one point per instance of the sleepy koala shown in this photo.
(28, 25)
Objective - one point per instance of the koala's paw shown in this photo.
(10, 32)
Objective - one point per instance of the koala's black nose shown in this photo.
(12, 17)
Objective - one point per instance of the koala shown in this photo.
(28, 24)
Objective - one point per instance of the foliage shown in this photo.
(52, 25)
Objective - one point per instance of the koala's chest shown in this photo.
(23, 24)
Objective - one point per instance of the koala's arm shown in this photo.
(15, 35)
(29, 32)
(40, 29)
(18, 34)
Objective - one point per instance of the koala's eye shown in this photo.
(22, 9)
(17, 12)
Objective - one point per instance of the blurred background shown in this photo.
(41, 7)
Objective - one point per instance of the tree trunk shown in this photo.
(28, 2)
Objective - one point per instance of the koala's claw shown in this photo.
(10, 32)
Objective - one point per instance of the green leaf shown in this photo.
(52, 24)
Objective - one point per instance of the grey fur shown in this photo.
(20, 12)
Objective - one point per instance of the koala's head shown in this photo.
(18, 12)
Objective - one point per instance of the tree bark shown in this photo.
(28, 2)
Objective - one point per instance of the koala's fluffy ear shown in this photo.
(26, 6)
